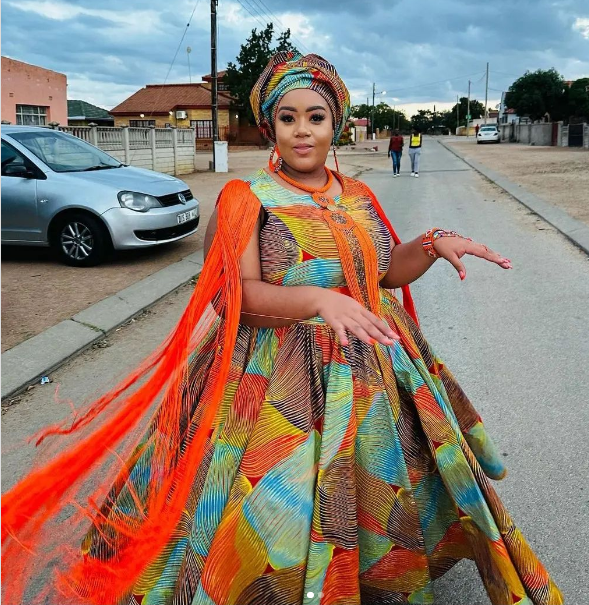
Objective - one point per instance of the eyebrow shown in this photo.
(294, 109)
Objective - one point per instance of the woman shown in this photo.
(309, 446)
(415, 141)
(396, 151)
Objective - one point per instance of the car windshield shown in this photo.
(488, 128)
(65, 153)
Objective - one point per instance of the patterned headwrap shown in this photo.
(288, 71)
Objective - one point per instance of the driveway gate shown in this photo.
(575, 135)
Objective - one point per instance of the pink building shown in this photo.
(32, 95)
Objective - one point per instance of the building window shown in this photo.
(141, 123)
(204, 128)
(31, 115)
(222, 87)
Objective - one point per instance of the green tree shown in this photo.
(537, 93)
(423, 120)
(384, 116)
(477, 110)
(249, 64)
(361, 111)
(578, 99)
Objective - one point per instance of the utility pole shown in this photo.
(214, 102)
(468, 110)
(372, 120)
(486, 92)
(457, 113)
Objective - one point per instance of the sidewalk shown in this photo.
(559, 175)
(576, 230)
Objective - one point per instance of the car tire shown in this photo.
(81, 240)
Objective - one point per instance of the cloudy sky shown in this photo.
(421, 52)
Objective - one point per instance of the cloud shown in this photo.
(582, 26)
(420, 51)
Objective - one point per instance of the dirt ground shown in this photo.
(38, 292)
(559, 175)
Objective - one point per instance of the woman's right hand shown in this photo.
(344, 314)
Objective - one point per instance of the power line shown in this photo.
(174, 58)
(299, 43)
(255, 17)
(502, 73)
(263, 14)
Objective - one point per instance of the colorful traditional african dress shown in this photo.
(335, 475)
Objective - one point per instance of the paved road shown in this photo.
(516, 341)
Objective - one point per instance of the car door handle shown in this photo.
(44, 201)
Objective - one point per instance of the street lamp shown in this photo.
(374, 93)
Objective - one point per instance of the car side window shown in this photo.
(11, 157)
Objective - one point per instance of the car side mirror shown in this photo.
(17, 170)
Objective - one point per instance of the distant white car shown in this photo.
(488, 134)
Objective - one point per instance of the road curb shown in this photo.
(576, 231)
(40, 355)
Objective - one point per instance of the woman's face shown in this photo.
(304, 129)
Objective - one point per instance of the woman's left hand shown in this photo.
(454, 248)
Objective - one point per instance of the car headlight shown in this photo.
(140, 202)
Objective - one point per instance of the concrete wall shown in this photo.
(541, 134)
(527, 134)
(24, 84)
(168, 150)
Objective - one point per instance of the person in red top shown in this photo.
(396, 151)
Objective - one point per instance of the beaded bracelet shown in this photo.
(431, 236)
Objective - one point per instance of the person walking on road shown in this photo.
(396, 151)
(295, 440)
(415, 141)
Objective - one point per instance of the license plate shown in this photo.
(186, 216)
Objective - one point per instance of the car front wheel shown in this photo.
(81, 240)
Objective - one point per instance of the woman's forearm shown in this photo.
(267, 305)
(408, 263)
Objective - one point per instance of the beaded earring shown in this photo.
(335, 158)
(275, 166)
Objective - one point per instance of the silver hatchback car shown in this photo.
(60, 191)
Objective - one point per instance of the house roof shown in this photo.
(82, 110)
(220, 76)
(163, 98)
